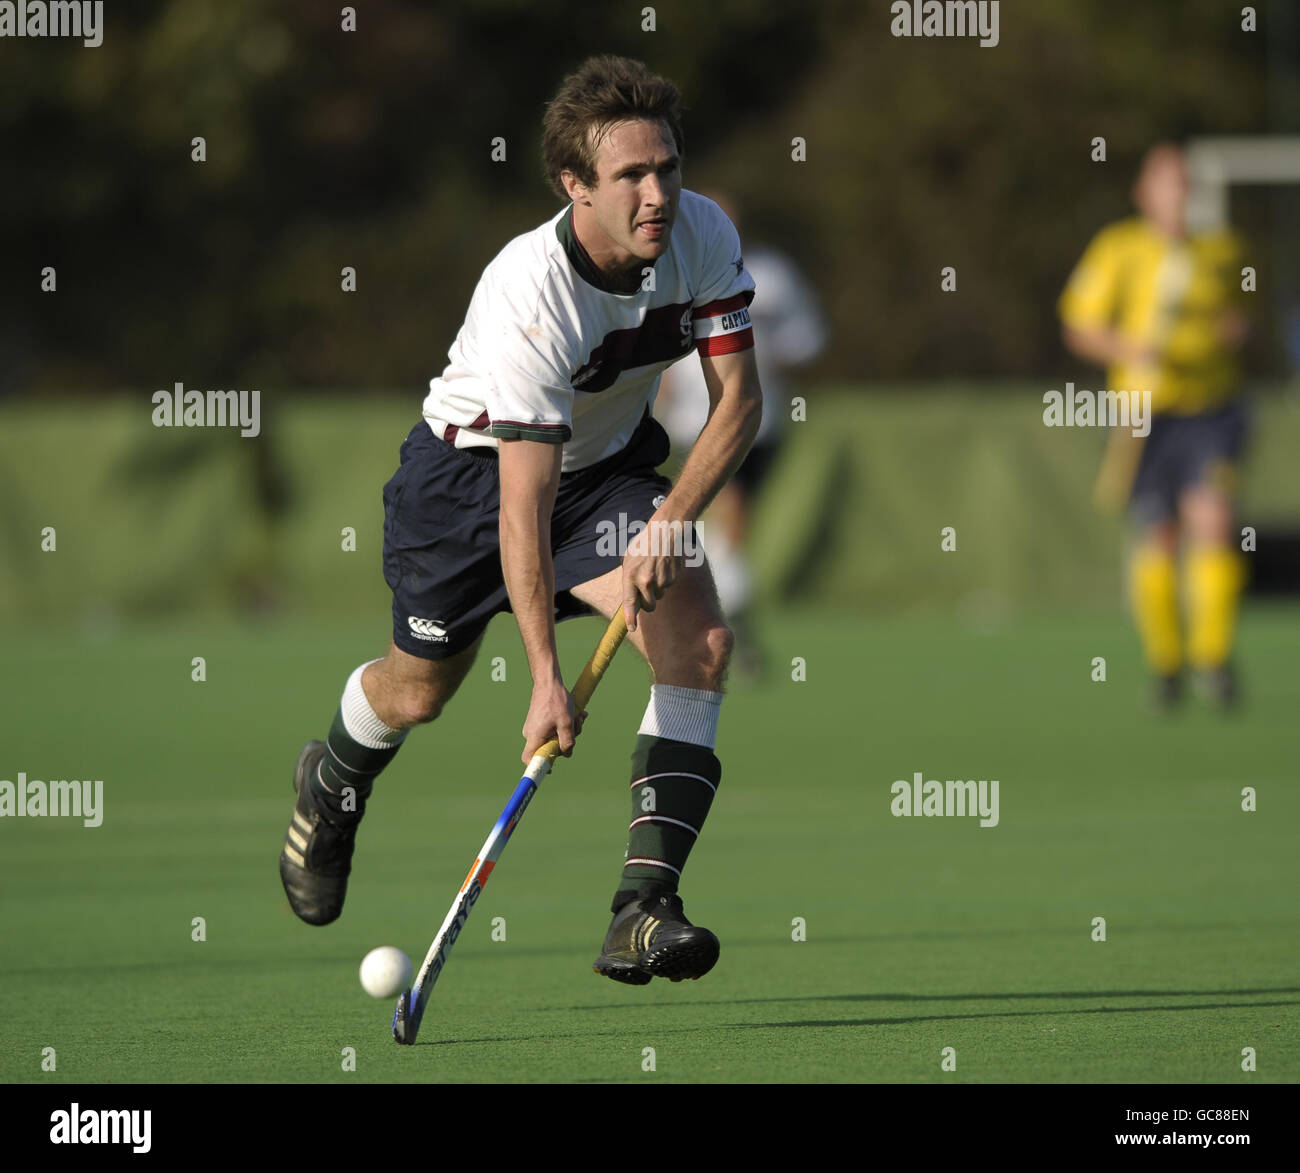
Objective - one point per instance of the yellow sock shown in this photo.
(1214, 580)
(1153, 592)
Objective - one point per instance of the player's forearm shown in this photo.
(529, 574)
(529, 481)
(717, 453)
(1102, 345)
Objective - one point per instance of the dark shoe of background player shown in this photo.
(1219, 687)
(652, 938)
(317, 855)
(1167, 692)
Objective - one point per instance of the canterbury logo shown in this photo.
(426, 629)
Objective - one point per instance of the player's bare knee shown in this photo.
(1208, 524)
(714, 653)
(1161, 536)
(418, 705)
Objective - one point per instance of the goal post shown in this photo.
(1216, 165)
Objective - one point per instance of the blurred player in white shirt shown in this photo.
(790, 332)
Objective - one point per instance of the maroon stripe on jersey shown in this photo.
(453, 430)
(725, 305)
(726, 343)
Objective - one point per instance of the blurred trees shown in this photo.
(372, 149)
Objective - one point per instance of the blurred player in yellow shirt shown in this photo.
(1161, 309)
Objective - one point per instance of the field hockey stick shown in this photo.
(1118, 470)
(410, 1006)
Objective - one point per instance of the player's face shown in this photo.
(1162, 189)
(634, 202)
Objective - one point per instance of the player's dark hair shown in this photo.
(604, 90)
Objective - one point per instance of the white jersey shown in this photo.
(549, 352)
(791, 332)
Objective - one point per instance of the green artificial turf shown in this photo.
(922, 933)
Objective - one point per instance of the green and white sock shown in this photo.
(358, 748)
(675, 775)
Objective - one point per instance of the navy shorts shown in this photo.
(442, 555)
(1183, 451)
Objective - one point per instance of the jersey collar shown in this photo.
(581, 260)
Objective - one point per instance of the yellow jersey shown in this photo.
(1168, 296)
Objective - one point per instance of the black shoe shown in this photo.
(317, 855)
(1167, 692)
(652, 938)
(1219, 687)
